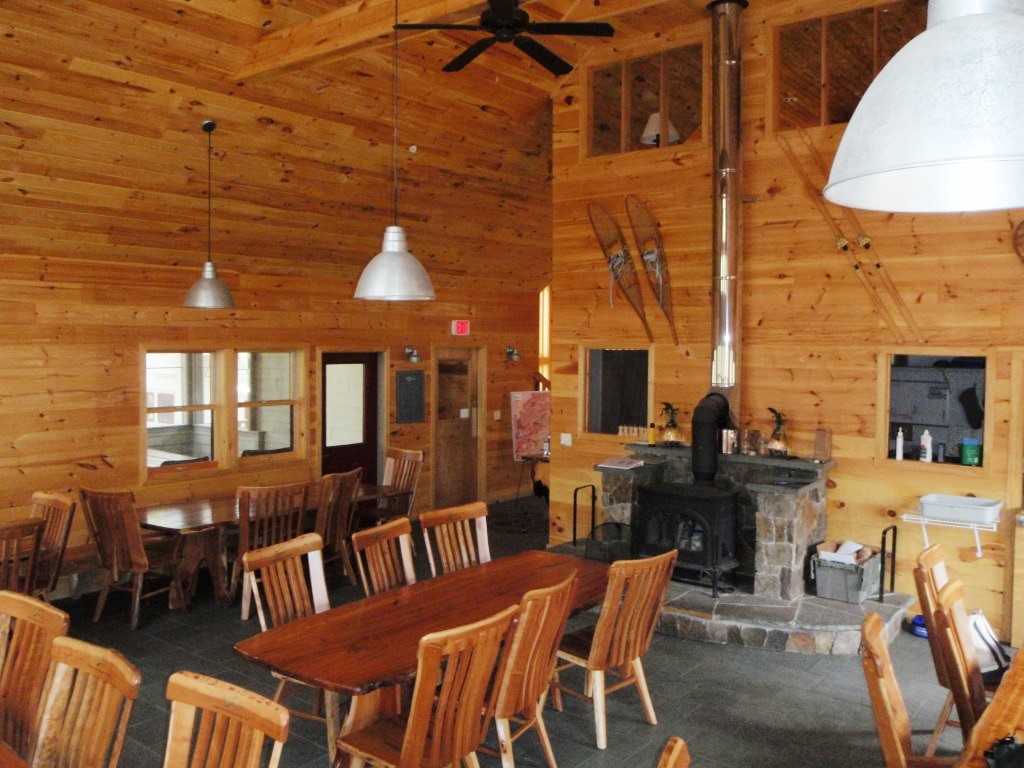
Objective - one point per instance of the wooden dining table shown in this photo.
(9, 758)
(365, 648)
(1004, 716)
(203, 524)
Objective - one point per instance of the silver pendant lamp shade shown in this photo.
(394, 274)
(209, 291)
(941, 128)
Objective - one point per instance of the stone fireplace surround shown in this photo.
(783, 513)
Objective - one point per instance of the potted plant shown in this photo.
(671, 434)
(778, 445)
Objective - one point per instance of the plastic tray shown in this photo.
(964, 509)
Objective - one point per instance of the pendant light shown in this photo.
(941, 128)
(394, 274)
(209, 292)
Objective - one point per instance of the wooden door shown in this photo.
(457, 432)
(349, 414)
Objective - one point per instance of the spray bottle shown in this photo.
(926, 446)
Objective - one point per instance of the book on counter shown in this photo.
(621, 462)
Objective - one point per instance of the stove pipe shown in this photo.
(727, 180)
(709, 417)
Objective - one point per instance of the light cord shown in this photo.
(209, 195)
(394, 141)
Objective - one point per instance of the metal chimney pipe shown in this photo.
(727, 225)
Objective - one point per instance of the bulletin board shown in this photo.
(531, 423)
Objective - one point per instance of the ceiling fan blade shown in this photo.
(542, 55)
(469, 54)
(471, 27)
(587, 28)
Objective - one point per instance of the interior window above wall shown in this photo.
(944, 395)
(824, 65)
(179, 407)
(266, 402)
(646, 102)
(616, 389)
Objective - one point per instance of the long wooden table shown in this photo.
(1004, 716)
(9, 758)
(202, 523)
(362, 647)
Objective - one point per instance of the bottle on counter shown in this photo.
(926, 446)
(652, 434)
(899, 444)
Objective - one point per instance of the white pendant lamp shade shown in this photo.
(941, 129)
(394, 274)
(652, 132)
(209, 292)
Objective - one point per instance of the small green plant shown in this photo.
(780, 418)
(669, 411)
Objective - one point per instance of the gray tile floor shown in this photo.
(734, 706)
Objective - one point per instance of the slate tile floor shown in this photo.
(734, 706)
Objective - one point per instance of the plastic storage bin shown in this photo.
(961, 509)
(847, 582)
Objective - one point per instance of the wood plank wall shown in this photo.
(814, 346)
(103, 228)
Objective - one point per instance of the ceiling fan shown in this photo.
(508, 23)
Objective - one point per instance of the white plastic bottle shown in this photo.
(926, 446)
(899, 444)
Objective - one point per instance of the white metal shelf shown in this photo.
(926, 521)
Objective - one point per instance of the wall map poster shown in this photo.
(531, 423)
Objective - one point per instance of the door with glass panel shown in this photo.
(349, 418)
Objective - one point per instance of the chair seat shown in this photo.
(380, 742)
(162, 550)
(577, 644)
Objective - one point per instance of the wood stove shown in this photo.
(697, 520)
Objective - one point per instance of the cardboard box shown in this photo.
(845, 581)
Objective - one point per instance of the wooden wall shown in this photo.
(103, 228)
(814, 344)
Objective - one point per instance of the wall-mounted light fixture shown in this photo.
(511, 354)
(412, 354)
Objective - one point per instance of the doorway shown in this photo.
(457, 426)
(349, 415)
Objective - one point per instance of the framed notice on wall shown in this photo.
(409, 397)
(531, 423)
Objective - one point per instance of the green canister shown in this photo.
(970, 451)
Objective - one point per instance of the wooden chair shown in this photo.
(402, 470)
(452, 702)
(86, 704)
(335, 514)
(383, 555)
(20, 541)
(27, 630)
(962, 671)
(890, 711)
(58, 512)
(675, 755)
(286, 596)
(214, 723)
(126, 555)
(632, 604)
(461, 536)
(930, 576)
(531, 660)
(267, 515)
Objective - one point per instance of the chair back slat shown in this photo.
(336, 510)
(891, 719)
(218, 725)
(460, 535)
(675, 755)
(384, 556)
(541, 623)
(269, 514)
(453, 700)
(20, 541)
(632, 604)
(279, 582)
(930, 576)
(114, 526)
(961, 659)
(88, 699)
(58, 512)
(28, 628)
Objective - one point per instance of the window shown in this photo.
(663, 97)
(193, 414)
(943, 395)
(179, 407)
(616, 389)
(266, 406)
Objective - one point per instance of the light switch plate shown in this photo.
(497, 415)
(463, 413)
(567, 439)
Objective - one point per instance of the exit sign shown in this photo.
(460, 327)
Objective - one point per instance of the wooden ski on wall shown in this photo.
(620, 263)
(652, 254)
